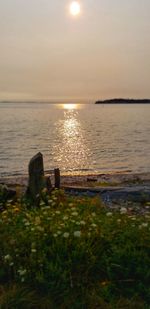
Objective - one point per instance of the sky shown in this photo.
(47, 54)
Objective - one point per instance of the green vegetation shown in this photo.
(73, 253)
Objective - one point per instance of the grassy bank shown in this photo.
(73, 253)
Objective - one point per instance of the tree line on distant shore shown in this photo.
(123, 101)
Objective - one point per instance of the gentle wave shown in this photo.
(77, 138)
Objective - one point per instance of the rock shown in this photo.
(36, 177)
(6, 193)
(134, 194)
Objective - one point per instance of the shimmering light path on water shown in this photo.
(77, 138)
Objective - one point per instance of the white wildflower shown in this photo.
(62, 224)
(65, 218)
(119, 220)
(123, 210)
(82, 222)
(94, 225)
(40, 228)
(74, 213)
(70, 205)
(42, 204)
(109, 214)
(77, 234)
(27, 223)
(22, 272)
(144, 224)
(44, 190)
(66, 235)
(33, 250)
(45, 213)
(7, 257)
(59, 233)
(77, 223)
(73, 209)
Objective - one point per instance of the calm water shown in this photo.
(76, 138)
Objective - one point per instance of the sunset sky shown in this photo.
(45, 53)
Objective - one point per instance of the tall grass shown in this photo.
(72, 253)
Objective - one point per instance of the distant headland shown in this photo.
(124, 101)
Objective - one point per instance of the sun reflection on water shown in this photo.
(70, 151)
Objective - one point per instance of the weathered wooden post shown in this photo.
(36, 177)
(48, 184)
(57, 178)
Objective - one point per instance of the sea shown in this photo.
(77, 138)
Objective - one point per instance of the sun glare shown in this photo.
(70, 106)
(75, 8)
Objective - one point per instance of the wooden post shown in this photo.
(57, 178)
(48, 184)
(36, 177)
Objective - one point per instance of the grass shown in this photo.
(100, 184)
(72, 252)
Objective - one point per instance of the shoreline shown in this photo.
(110, 178)
(116, 190)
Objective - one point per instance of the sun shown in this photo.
(75, 8)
